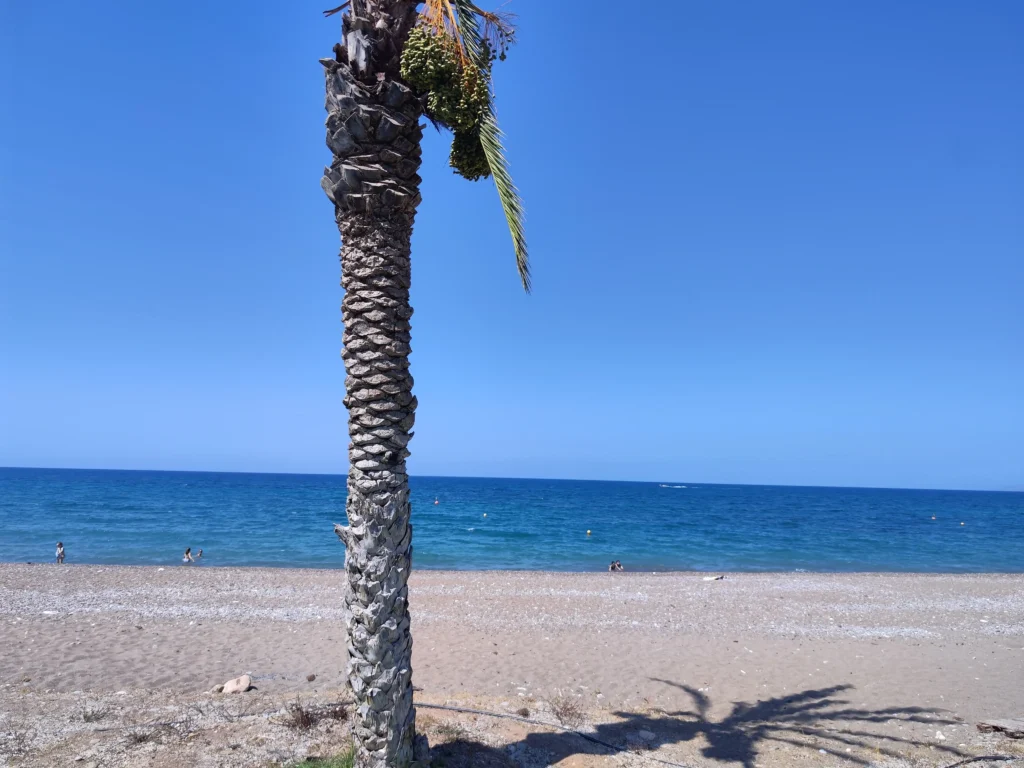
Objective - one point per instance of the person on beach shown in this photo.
(187, 557)
(60, 553)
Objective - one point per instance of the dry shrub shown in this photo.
(303, 718)
(299, 717)
(451, 730)
(94, 714)
(134, 738)
(568, 710)
(17, 741)
(523, 712)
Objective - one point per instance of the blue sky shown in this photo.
(772, 243)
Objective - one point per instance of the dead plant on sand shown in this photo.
(303, 717)
(568, 710)
(451, 730)
(142, 736)
(299, 717)
(94, 714)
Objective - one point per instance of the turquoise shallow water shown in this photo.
(286, 520)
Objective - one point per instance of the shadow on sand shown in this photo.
(811, 720)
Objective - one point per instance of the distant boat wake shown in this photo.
(662, 485)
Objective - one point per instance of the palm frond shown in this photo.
(339, 9)
(469, 27)
(490, 139)
(511, 203)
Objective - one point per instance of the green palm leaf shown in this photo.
(490, 140)
(511, 203)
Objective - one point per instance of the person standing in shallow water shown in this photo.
(187, 557)
(60, 553)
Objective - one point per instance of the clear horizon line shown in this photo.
(554, 479)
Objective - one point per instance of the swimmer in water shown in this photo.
(199, 554)
(60, 553)
(187, 557)
(436, 501)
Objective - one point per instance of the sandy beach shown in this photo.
(765, 669)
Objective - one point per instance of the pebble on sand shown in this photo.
(238, 685)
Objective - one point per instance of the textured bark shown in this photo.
(374, 134)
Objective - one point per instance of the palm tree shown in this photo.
(398, 60)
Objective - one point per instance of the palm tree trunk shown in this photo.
(374, 133)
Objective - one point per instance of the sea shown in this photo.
(278, 520)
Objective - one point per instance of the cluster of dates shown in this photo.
(458, 95)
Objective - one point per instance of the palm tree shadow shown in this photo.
(814, 716)
(813, 719)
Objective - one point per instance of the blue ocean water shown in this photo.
(127, 517)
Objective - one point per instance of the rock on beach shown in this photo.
(237, 685)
